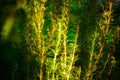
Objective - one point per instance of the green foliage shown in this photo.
(64, 40)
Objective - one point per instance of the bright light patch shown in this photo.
(7, 27)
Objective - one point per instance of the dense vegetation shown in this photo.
(59, 40)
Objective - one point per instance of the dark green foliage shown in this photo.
(22, 59)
